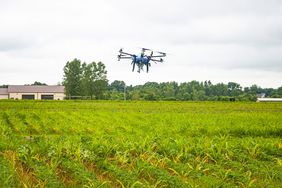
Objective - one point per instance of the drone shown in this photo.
(142, 60)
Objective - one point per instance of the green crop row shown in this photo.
(140, 144)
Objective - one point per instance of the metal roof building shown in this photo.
(35, 89)
(32, 92)
(269, 99)
(4, 93)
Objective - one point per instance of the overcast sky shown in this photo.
(219, 40)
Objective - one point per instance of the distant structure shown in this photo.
(4, 93)
(33, 92)
(261, 98)
(261, 95)
(269, 99)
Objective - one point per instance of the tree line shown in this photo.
(189, 91)
(89, 81)
(85, 80)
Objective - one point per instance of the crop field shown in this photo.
(140, 144)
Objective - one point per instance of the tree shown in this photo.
(169, 90)
(234, 89)
(150, 91)
(219, 89)
(193, 90)
(198, 95)
(116, 90)
(3, 86)
(72, 78)
(85, 79)
(36, 83)
(279, 91)
(254, 89)
(207, 86)
(99, 80)
(135, 94)
(183, 93)
(117, 85)
(99, 88)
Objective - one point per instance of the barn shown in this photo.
(4, 93)
(33, 92)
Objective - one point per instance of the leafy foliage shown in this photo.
(72, 78)
(82, 79)
(140, 144)
(36, 83)
(189, 91)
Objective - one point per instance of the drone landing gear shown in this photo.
(133, 66)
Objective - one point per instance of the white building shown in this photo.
(33, 92)
(269, 99)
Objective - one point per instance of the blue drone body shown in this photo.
(142, 59)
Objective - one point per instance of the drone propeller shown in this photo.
(157, 60)
(163, 53)
(146, 49)
(120, 50)
(150, 56)
(154, 61)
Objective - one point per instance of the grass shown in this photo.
(140, 144)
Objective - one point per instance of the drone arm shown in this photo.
(122, 57)
(124, 53)
(157, 60)
(156, 56)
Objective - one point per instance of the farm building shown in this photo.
(33, 92)
(4, 93)
(269, 99)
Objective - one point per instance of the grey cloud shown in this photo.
(182, 11)
(14, 43)
(224, 35)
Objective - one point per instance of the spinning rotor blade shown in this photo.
(146, 49)
(163, 53)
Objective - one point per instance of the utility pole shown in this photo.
(124, 94)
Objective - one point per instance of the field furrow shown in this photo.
(140, 144)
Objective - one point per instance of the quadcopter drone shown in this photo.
(142, 59)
